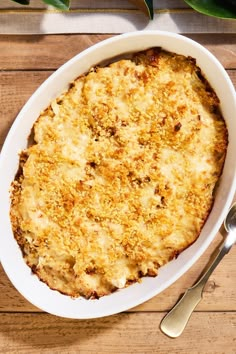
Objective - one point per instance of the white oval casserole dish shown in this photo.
(13, 263)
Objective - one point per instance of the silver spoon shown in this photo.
(175, 321)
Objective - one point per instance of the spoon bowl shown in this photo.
(230, 220)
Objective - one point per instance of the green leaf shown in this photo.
(216, 8)
(59, 4)
(149, 4)
(22, 2)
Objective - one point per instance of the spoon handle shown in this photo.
(175, 321)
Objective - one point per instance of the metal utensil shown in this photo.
(175, 321)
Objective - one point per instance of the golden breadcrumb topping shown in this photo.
(121, 174)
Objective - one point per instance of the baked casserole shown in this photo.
(121, 173)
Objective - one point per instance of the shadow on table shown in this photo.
(198, 23)
(53, 23)
(40, 331)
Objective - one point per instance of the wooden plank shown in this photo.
(124, 333)
(123, 4)
(136, 331)
(223, 47)
(51, 51)
(15, 90)
(42, 52)
(17, 87)
(219, 293)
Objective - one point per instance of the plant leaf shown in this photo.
(216, 8)
(59, 4)
(22, 2)
(146, 6)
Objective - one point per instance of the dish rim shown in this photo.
(12, 132)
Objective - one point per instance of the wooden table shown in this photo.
(25, 62)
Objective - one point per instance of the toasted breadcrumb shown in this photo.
(121, 174)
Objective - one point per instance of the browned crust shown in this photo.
(151, 58)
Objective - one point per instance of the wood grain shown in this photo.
(124, 333)
(15, 90)
(219, 293)
(42, 52)
(25, 62)
(50, 52)
(216, 297)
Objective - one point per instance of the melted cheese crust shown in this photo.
(121, 176)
